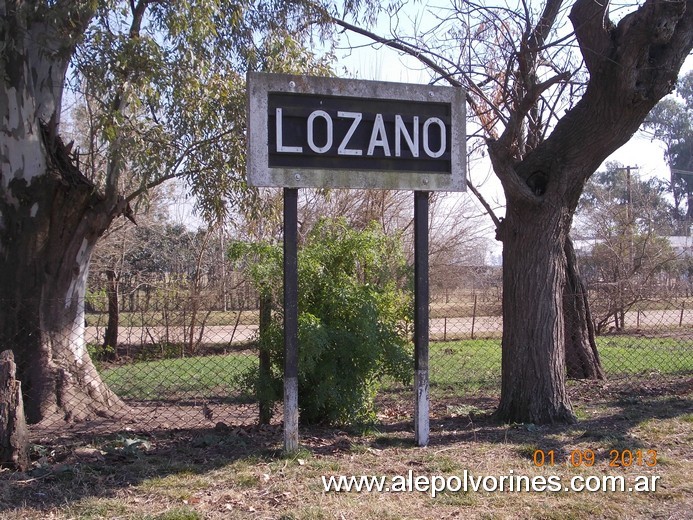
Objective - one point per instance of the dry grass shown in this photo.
(241, 473)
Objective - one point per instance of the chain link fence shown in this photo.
(184, 362)
(650, 342)
(181, 361)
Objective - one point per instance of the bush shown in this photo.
(353, 311)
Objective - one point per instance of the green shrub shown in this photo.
(353, 312)
(99, 352)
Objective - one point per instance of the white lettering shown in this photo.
(439, 484)
(379, 137)
(401, 130)
(280, 138)
(399, 484)
(343, 150)
(426, 145)
(311, 134)
(408, 137)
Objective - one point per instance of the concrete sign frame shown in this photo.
(402, 125)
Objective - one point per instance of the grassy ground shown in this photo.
(456, 367)
(214, 473)
(241, 473)
(204, 375)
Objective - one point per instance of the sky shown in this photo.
(357, 58)
(383, 64)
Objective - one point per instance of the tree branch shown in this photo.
(174, 172)
(485, 204)
(419, 55)
(592, 26)
(114, 168)
(541, 31)
(632, 67)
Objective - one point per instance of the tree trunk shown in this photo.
(534, 274)
(50, 217)
(110, 340)
(582, 358)
(45, 247)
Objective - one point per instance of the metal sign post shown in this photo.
(310, 132)
(290, 319)
(421, 301)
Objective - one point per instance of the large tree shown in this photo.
(550, 115)
(671, 122)
(164, 82)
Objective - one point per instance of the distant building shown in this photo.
(584, 246)
(682, 245)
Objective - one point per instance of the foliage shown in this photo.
(161, 90)
(671, 122)
(352, 319)
(630, 200)
(98, 352)
(160, 250)
(627, 219)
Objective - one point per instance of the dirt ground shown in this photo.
(219, 469)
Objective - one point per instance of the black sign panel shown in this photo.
(329, 132)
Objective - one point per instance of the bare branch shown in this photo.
(548, 18)
(485, 204)
(419, 55)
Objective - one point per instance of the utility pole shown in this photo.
(629, 193)
(630, 237)
(630, 218)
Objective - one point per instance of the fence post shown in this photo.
(474, 316)
(264, 361)
(683, 307)
(14, 436)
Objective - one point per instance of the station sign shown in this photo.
(312, 132)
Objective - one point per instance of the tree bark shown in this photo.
(110, 340)
(632, 65)
(582, 358)
(44, 259)
(50, 217)
(534, 273)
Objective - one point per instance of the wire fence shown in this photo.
(189, 362)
